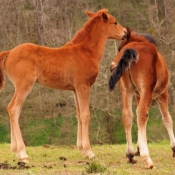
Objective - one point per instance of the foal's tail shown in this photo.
(129, 56)
(3, 55)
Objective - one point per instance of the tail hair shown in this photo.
(3, 55)
(129, 56)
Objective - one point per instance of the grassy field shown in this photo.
(66, 160)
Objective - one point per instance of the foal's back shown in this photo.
(56, 68)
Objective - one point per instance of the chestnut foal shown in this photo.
(73, 67)
(141, 70)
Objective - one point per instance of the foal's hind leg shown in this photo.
(14, 110)
(137, 153)
(142, 118)
(162, 100)
(127, 119)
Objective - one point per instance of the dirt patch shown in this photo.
(48, 165)
(20, 165)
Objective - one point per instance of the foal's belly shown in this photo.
(56, 80)
(56, 85)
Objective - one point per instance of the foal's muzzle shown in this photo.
(125, 34)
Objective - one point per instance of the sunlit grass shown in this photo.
(109, 158)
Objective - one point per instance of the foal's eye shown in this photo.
(115, 23)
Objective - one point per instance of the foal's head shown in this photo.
(109, 25)
(136, 37)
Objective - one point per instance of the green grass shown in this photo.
(103, 128)
(4, 137)
(110, 159)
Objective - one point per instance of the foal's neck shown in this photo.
(95, 41)
(91, 38)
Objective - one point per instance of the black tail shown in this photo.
(129, 56)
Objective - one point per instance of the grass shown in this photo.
(66, 160)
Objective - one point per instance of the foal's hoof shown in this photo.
(92, 156)
(83, 153)
(131, 159)
(148, 162)
(87, 153)
(173, 154)
(173, 149)
(24, 160)
(150, 167)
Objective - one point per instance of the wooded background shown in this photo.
(48, 116)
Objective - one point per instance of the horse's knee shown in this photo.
(78, 118)
(85, 119)
(11, 110)
(167, 120)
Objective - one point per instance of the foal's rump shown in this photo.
(144, 64)
(128, 57)
(19, 65)
(162, 76)
(3, 55)
(30, 62)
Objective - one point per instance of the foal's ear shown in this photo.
(90, 14)
(128, 33)
(105, 17)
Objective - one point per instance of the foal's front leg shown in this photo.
(82, 95)
(79, 127)
(142, 118)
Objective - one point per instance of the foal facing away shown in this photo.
(141, 70)
(71, 67)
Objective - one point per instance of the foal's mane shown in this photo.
(137, 37)
(84, 30)
(147, 37)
